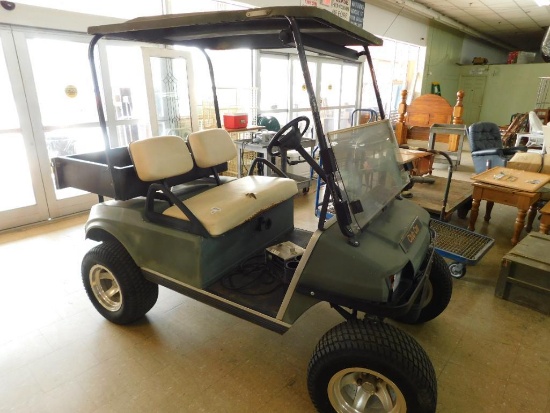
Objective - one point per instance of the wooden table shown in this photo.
(247, 129)
(508, 187)
(430, 196)
(545, 219)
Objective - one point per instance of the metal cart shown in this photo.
(461, 246)
(260, 148)
(459, 130)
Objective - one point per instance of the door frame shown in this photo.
(39, 211)
(57, 207)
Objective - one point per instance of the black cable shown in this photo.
(252, 273)
(394, 19)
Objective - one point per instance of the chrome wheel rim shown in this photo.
(105, 288)
(358, 390)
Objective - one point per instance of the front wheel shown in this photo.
(441, 284)
(370, 366)
(115, 285)
(439, 291)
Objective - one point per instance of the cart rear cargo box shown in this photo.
(525, 273)
(90, 172)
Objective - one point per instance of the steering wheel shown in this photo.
(289, 136)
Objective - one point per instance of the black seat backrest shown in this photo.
(484, 135)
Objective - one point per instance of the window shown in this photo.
(283, 92)
(397, 66)
(129, 98)
(234, 84)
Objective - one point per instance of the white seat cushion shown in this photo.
(227, 206)
(212, 147)
(160, 157)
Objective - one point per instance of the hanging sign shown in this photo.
(357, 12)
(325, 4)
(341, 8)
(349, 10)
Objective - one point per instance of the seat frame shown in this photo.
(192, 225)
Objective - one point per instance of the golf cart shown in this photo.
(174, 220)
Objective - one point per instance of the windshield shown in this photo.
(370, 172)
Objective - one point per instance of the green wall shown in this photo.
(443, 52)
(509, 89)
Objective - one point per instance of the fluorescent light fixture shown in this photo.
(541, 3)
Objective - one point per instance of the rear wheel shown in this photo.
(115, 285)
(370, 366)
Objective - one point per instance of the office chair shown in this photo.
(486, 146)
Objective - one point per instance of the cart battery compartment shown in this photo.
(282, 259)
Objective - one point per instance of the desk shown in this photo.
(522, 200)
(508, 187)
(247, 129)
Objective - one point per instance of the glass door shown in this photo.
(48, 110)
(61, 102)
(169, 82)
(23, 199)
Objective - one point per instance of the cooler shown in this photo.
(235, 120)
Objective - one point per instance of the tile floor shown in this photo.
(57, 354)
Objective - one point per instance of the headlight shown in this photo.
(394, 280)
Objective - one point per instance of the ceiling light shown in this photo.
(541, 3)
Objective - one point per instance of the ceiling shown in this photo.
(514, 24)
